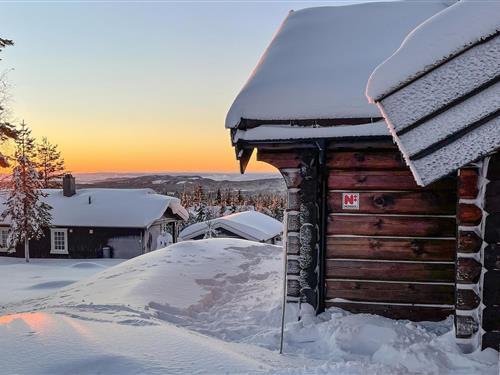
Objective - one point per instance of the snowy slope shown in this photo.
(317, 64)
(212, 307)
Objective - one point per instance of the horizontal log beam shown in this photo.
(390, 271)
(492, 257)
(391, 292)
(467, 299)
(468, 180)
(366, 160)
(366, 225)
(469, 242)
(492, 197)
(491, 321)
(494, 168)
(421, 203)
(279, 159)
(390, 248)
(491, 288)
(492, 228)
(468, 271)
(414, 313)
(469, 214)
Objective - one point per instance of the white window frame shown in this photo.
(53, 249)
(4, 249)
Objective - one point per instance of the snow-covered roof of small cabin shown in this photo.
(251, 225)
(114, 208)
(440, 92)
(317, 64)
(436, 40)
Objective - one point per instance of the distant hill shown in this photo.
(169, 184)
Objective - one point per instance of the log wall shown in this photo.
(477, 320)
(393, 253)
(301, 172)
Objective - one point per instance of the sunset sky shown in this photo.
(136, 86)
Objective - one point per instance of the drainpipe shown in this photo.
(323, 177)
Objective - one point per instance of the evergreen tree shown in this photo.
(27, 212)
(50, 164)
(7, 130)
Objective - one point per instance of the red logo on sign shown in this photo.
(350, 201)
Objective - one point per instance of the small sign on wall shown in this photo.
(350, 201)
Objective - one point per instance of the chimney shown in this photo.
(69, 187)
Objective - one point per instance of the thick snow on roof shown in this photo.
(317, 65)
(284, 132)
(434, 41)
(115, 208)
(251, 225)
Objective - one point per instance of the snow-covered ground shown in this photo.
(20, 280)
(210, 307)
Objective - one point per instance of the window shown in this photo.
(59, 241)
(4, 239)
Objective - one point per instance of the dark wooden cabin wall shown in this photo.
(395, 255)
(81, 243)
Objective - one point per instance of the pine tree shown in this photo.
(27, 212)
(7, 130)
(50, 164)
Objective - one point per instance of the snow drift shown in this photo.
(205, 306)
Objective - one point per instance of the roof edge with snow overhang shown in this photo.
(440, 92)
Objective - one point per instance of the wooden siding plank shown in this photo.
(382, 180)
(366, 160)
(390, 271)
(390, 248)
(366, 225)
(414, 313)
(421, 202)
(391, 292)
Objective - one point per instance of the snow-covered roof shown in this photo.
(251, 225)
(437, 39)
(114, 208)
(440, 92)
(317, 64)
(284, 132)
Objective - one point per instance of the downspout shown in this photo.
(323, 177)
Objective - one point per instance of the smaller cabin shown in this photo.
(94, 223)
(248, 225)
(440, 96)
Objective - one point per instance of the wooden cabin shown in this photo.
(92, 223)
(440, 96)
(360, 233)
(247, 225)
